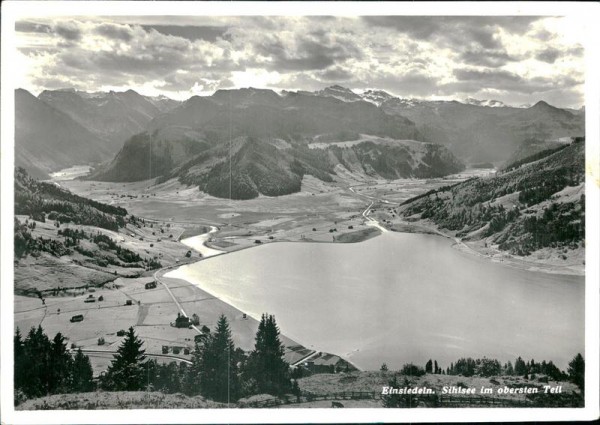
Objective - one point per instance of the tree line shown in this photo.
(25, 243)
(40, 200)
(491, 367)
(44, 367)
(219, 371)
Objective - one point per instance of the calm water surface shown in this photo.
(400, 297)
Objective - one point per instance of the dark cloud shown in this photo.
(68, 30)
(152, 65)
(456, 30)
(483, 57)
(189, 32)
(576, 51)
(307, 54)
(565, 81)
(421, 27)
(497, 77)
(543, 35)
(335, 74)
(549, 55)
(26, 26)
(115, 32)
(484, 36)
(470, 80)
(426, 26)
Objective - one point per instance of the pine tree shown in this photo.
(37, 373)
(46, 367)
(127, 371)
(509, 369)
(429, 367)
(520, 367)
(218, 367)
(576, 371)
(60, 366)
(169, 378)
(20, 361)
(436, 368)
(81, 373)
(266, 366)
(191, 380)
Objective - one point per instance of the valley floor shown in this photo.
(338, 213)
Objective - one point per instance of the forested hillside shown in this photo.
(148, 155)
(40, 200)
(247, 166)
(539, 204)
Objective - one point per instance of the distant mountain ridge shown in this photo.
(485, 134)
(475, 131)
(113, 116)
(252, 142)
(47, 139)
(264, 113)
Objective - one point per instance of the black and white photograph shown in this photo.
(372, 210)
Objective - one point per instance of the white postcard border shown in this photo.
(587, 14)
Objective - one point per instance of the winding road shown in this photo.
(199, 246)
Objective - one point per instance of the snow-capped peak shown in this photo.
(339, 92)
(490, 103)
(376, 97)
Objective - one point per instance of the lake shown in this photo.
(400, 298)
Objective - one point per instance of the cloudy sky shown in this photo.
(518, 60)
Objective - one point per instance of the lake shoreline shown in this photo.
(492, 255)
(285, 331)
(292, 346)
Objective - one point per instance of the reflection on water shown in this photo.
(399, 298)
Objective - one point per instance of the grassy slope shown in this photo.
(49, 260)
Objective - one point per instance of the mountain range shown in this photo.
(482, 133)
(47, 139)
(113, 116)
(150, 137)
